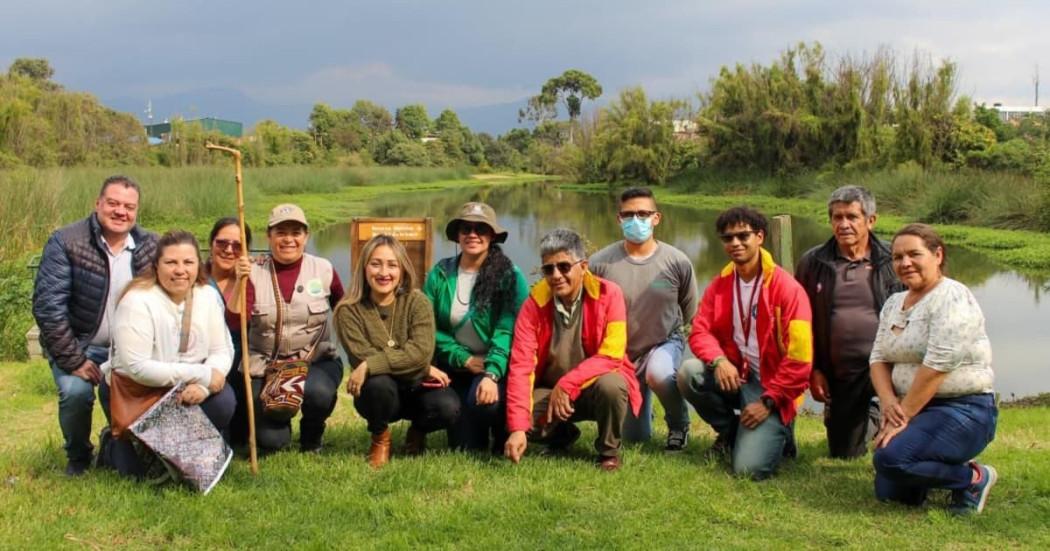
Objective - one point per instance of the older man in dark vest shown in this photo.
(848, 278)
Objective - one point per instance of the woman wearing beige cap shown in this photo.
(290, 295)
(476, 296)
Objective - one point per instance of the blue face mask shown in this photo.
(637, 230)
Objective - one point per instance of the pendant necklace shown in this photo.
(389, 333)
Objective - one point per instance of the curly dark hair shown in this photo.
(490, 288)
(742, 215)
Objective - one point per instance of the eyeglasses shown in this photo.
(563, 267)
(742, 236)
(642, 214)
(224, 244)
(466, 228)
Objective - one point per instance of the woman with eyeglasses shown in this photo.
(476, 296)
(221, 269)
(386, 326)
(225, 242)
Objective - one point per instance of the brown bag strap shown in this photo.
(187, 321)
(279, 301)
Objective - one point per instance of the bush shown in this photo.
(408, 154)
(1016, 155)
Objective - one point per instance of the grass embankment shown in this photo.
(36, 202)
(447, 499)
(994, 213)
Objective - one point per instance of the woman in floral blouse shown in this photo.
(931, 367)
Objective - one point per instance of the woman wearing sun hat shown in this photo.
(476, 296)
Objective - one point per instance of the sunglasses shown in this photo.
(563, 267)
(225, 244)
(742, 236)
(640, 214)
(466, 228)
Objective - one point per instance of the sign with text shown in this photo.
(414, 233)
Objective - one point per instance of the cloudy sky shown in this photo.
(484, 57)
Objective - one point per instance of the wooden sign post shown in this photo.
(781, 242)
(414, 233)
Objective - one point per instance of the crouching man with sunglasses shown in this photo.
(752, 332)
(568, 360)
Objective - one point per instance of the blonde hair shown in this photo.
(359, 289)
(148, 277)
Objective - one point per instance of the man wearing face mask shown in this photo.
(660, 291)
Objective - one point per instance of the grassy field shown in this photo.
(448, 500)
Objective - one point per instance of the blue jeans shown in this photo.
(657, 371)
(933, 451)
(471, 431)
(76, 401)
(756, 452)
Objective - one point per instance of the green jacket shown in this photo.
(494, 328)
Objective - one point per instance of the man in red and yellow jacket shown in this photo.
(568, 360)
(753, 332)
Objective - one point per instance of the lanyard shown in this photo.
(745, 315)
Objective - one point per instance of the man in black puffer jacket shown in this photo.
(848, 279)
(83, 271)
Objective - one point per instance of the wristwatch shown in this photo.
(769, 403)
(490, 376)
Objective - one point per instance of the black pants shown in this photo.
(385, 399)
(851, 418)
(121, 455)
(319, 397)
(476, 422)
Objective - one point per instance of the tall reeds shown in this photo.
(35, 202)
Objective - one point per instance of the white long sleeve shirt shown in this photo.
(146, 338)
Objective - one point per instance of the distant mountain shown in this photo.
(230, 104)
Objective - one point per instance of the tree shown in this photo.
(413, 121)
(373, 119)
(570, 88)
(35, 68)
(334, 129)
(636, 137)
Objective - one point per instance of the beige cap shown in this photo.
(286, 212)
(475, 212)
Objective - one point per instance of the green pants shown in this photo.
(605, 401)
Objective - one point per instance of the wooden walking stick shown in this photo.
(242, 297)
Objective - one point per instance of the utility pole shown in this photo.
(1035, 81)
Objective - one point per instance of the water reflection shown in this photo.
(1017, 319)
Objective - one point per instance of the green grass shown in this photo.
(449, 500)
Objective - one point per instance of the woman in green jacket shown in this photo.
(476, 295)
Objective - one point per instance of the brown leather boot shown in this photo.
(379, 451)
(415, 442)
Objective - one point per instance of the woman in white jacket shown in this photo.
(147, 331)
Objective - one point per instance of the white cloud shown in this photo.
(380, 82)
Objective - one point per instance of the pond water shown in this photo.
(1018, 319)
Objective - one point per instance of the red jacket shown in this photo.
(785, 337)
(604, 335)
